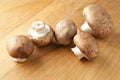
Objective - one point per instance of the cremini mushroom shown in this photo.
(86, 46)
(20, 48)
(65, 31)
(40, 33)
(98, 21)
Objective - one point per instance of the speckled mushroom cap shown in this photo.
(87, 45)
(98, 19)
(20, 47)
(40, 33)
(65, 31)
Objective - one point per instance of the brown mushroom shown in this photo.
(20, 48)
(98, 21)
(86, 46)
(65, 31)
(40, 33)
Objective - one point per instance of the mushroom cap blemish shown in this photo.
(98, 19)
(87, 45)
(20, 47)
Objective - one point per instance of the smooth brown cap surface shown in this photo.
(65, 31)
(87, 44)
(20, 47)
(98, 19)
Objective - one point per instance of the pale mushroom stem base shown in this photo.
(86, 28)
(78, 52)
(19, 60)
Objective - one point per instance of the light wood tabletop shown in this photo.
(53, 62)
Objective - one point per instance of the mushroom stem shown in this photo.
(39, 33)
(19, 60)
(78, 52)
(85, 27)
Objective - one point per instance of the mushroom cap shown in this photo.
(65, 31)
(20, 47)
(87, 44)
(98, 19)
(44, 33)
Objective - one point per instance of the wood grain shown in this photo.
(52, 62)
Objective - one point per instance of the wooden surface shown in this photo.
(52, 62)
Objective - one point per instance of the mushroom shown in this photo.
(98, 21)
(40, 33)
(20, 48)
(86, 46)
(65, 31)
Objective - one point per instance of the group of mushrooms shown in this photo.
(98, 24)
